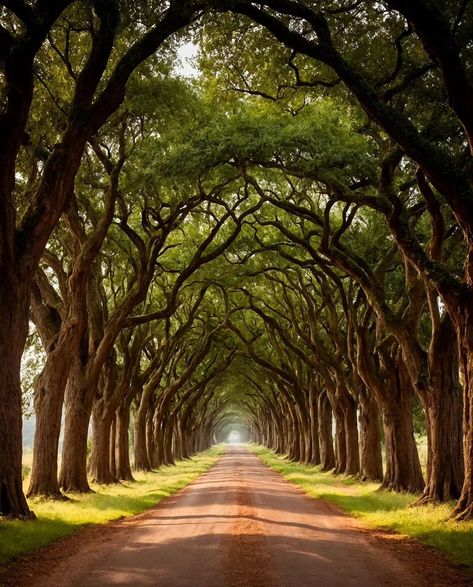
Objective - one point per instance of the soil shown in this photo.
(238, 525)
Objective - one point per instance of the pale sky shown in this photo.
(186, 54)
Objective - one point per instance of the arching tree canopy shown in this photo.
(280, 244)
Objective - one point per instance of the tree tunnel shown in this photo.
(280, 248)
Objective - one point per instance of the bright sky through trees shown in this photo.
(186, 54)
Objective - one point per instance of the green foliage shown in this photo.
(320, 137)
(262, 122)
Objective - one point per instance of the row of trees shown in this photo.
(287, 241)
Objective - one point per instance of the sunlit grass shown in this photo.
(381, 509)
(57, 519)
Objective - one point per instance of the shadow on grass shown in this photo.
(374, 501)
(380, 508)
(429, 523)
(59, 519)
(18, 537)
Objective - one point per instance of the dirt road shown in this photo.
(240, 524)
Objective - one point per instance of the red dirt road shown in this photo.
(240, 524)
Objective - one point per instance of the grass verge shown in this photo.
(380, 509)
(58, 519)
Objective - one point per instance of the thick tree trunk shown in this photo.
(325, 433)
(183, 445)
(371, 462)
(444, 411)
(287, 434)
(290, 435)
(153, 440)
(281, 434)
(207, 437)
(99, 464)
(393, 390)
(186, 430)
(403, 470)
(464, 508)
(141, 456)
(196, 441)
(271, 433)
(268, 432)
(167, 442)
(112, 448)
(122, 444)
(314, 429)
(302, 429)
(78, 406)
(48, 411)
(176, 441)
(14, 314)
(200, 440)
(261, 431)
(184, 450)
(190, 441)
(294, 444)
(158, 457)
(61, 340)
(445, 466)
(352, 450)
(279, 445)
(260, 435)
(142, 461)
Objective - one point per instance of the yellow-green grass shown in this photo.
(380, 509)
(57, 519)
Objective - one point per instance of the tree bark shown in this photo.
(158, 457)
(48, 392)
(152, 439)
(464, 324)
(279, 445)
(99, 464)
(444, 410)
(294, 444)
(340, 438)
(48, 411)
(325, 433)
(78, 405)
(142, 461)
(393, 391)
(122, 444)
(352, 451)
(371, 462)
(314, 428)
(182, 451)
(303, 437)
(112, 448)
(403, 470)
(168, 454)
(14, 304)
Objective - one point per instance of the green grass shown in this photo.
(380, 509)
(57, 519)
